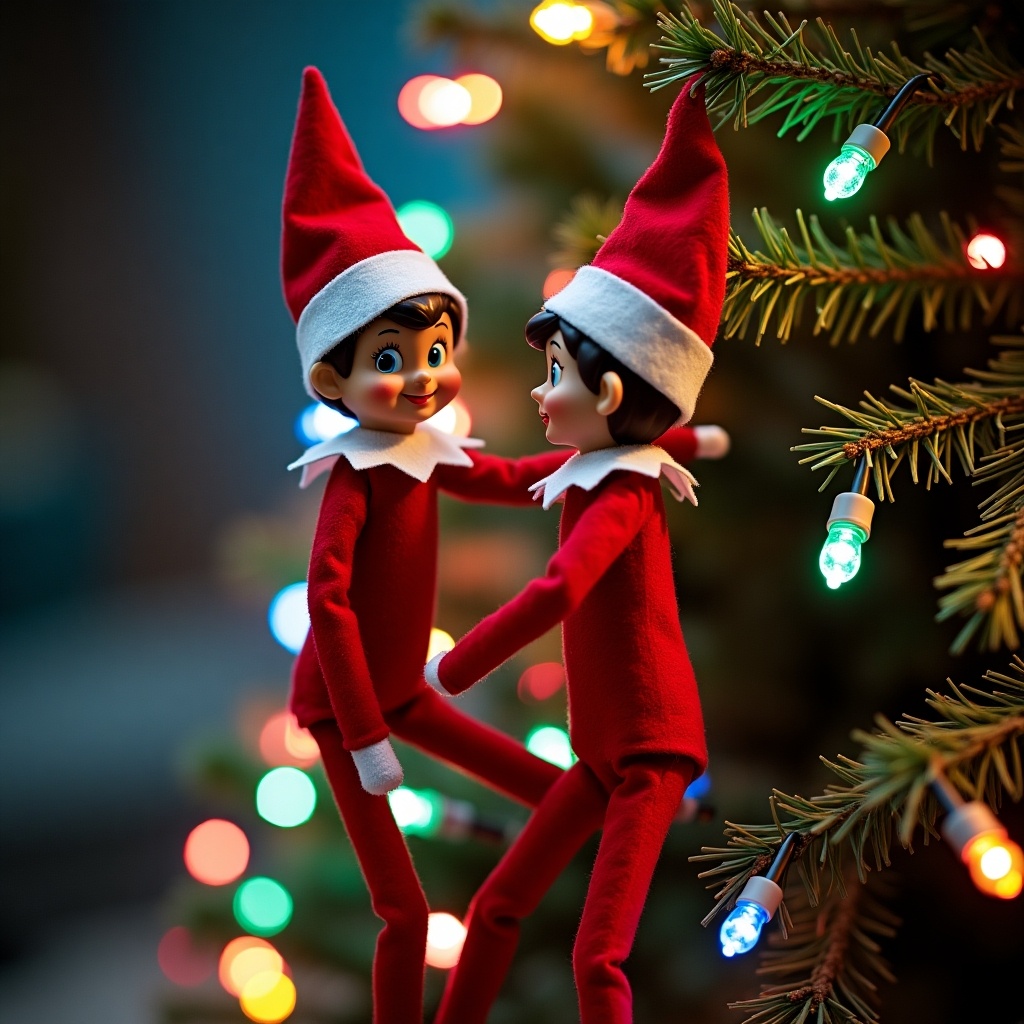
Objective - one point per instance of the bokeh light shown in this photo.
(319, 422)
(986, 252)
(444, 103)
(409, 101)
(183, 960)
(700, 786)
(289, 617)
(417, 812)
(453, 419)
(561, 21)
(268, 997)
(485, 97)
(541, 681)
(439, 641)
(262, 906)
(428, 226)
(216, 852)
(552, 744)
(445, 937)
(244, 957)
(284, 741)
(285, 797)
(556, 281)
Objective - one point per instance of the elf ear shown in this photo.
(609, 398)
(326, 380)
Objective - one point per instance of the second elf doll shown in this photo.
(627, 346)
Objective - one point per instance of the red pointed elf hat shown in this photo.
(653, 295)
(344, 257)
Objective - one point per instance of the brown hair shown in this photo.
(420, 312)
(645, 413)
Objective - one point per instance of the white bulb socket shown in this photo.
(963, 823)
(764, 892)
(872, 140)
(851, 507)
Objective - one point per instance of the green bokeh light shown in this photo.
(417, 812)
(262, 906)
(552, 744)
(428, 226)
(286, 797)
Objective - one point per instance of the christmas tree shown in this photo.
(921, 267)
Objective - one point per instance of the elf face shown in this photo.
(400, 376)
(572, 414)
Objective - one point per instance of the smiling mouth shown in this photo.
(419, 399)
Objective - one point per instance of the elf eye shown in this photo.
(437, 355)
(556, 374)
(388, 360)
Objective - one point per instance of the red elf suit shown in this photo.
(373, 566)
(652, 298)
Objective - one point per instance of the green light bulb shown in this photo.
(845, 175)
(840, 557)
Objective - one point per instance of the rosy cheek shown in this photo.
(386, 389)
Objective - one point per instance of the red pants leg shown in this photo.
(395, 891)
(640, 811)
(430, 722)
(565, 818)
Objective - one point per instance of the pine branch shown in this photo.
(987, 586)
(872, 278)
(582, 230)
(827, 962)
(974, 740)
(1011, 148)
(814, 79)
(937, 420)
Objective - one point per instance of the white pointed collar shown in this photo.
(416, 454)
(588, 469)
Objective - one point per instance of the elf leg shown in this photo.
(429, 721)
(640, 811)
(395, 891)
(571, 812)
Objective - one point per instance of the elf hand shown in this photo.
(431, 672)
(712, 441)
(378, 767)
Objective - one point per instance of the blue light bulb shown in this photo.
(742, 928)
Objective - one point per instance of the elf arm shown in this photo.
(499, 481)
(336, 631)
(685, 444)
(613, 518)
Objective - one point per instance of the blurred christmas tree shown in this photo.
(922, 267)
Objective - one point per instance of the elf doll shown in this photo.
(627, 346)
(377, 328)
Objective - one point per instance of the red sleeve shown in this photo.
(680, 443)
(333, 622)
(613, 518)
(497, 480)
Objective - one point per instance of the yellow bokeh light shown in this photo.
(245, 957)
(444, 102)
(996, 864)
(561, 21)
(268, 997)
(445, 936)
(485, 97)
(439, 641)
